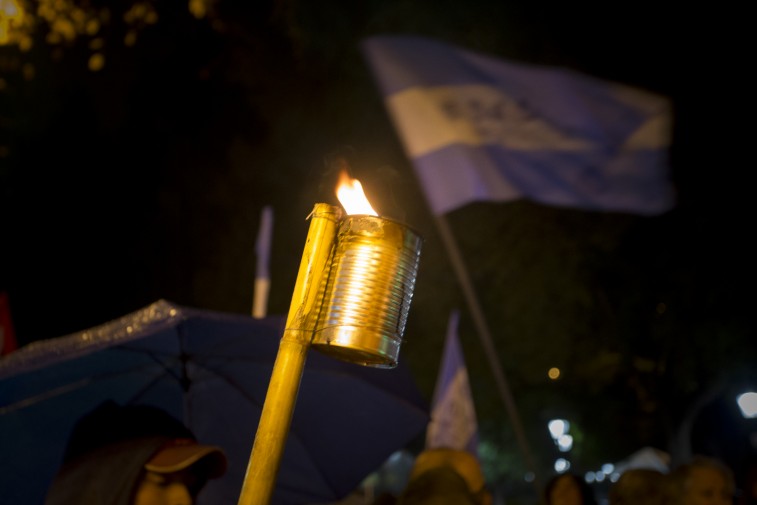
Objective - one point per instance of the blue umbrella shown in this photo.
(210, 370)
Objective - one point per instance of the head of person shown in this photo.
(639, 486)
(445, 476)
(702, 481)
(568, 489)
(133, 455)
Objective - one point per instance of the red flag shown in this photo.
(7, 335)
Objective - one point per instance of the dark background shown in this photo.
(146, 178)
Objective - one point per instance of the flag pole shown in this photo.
(263, 253)
(482, 328)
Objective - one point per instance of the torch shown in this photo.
(351, 300)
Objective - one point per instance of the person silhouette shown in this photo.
(702, 481)
(568, 489)
(640, 486)
(445, 476)
(133, 455)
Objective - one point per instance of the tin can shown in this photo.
(368, 290)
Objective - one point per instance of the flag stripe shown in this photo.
(627, 181)
(480, 128)
(560, 95)
(475, 115)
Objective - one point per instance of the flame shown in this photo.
(351, 196)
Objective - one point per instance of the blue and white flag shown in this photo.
(480, 128)
(453, 417)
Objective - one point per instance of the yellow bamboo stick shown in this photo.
(281, 396)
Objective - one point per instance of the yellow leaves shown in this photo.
(141, 13)
(96, 62)
(198, 8)
(97, 59)
(130, 38)
(67, 20)
(11, 20)
(92, 26)
(11, 9)
(61, 29)
(24, 42)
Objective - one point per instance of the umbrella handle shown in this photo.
(276, 417)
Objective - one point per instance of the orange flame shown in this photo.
(351, 196)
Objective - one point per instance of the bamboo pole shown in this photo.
(281, 396)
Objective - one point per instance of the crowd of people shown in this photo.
(702, 481)
(139, 455)
(450, 477)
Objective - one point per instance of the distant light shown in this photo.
(589, 477)
(553, 373)
(558, 427)
(529, 477)
(600, 476)
(748, 404)
(562, 465)
(607, 468)
(614, 476)
(565, 442)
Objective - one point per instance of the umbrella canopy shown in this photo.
(210, 370)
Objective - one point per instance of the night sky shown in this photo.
(146, 180)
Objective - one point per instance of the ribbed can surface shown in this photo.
(368, 291)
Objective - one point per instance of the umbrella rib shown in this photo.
(231, 382)
(61, 390)
(52, 393)
(162, 363)
(156, 358)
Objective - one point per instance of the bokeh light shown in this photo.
(748, 404)
(565, 442)
(562, 465)
(558, 427)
